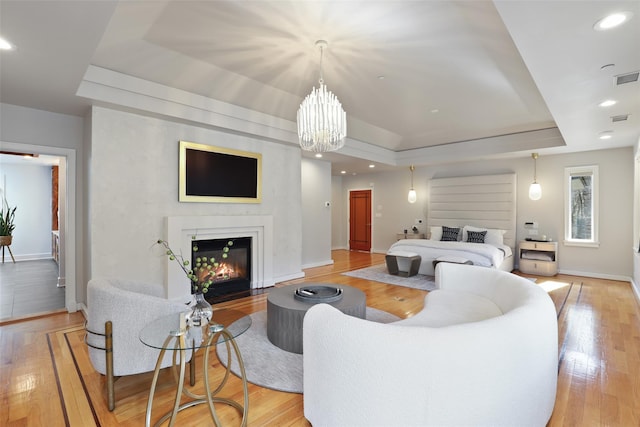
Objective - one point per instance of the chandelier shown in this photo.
(322, 123)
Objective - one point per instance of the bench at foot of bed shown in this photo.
(404, 264)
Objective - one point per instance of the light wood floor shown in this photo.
(46, 378)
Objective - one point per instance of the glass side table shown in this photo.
(170, 333)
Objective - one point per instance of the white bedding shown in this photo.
(482, 254)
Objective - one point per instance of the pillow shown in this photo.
(476, 236)
(450, 234)
(436, 233)
(493, 237)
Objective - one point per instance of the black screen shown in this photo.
(220, 175)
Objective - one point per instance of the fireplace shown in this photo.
(227, 263)
(181, 229)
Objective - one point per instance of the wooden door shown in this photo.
(360, 220)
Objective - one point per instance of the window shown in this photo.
(581, 208)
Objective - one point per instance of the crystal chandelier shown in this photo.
(322, 123)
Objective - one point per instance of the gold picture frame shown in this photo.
(209, 174)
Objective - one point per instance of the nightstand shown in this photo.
(411, 235)
(540, 258)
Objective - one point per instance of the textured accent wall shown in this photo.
(134, 186)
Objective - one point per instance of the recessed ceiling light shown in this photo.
(343, 172)
(606, 134)
(435, 110)
(318, 155)
(608, 103)
(612, 21)
(5, 45)
(380, 77)
(372, 166)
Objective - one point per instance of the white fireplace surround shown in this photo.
(179, 232)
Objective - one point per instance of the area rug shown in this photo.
(269, 366)
(378, 273)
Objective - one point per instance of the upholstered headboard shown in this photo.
(481, 201)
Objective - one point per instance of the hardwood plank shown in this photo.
(30, 393)
(598, 383)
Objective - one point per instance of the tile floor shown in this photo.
(29, 287)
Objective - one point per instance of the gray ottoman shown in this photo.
(400, 263)
(285, 314)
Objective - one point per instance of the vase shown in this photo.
(201, 311)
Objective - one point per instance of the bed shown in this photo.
(482, 209)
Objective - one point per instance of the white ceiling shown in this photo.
(459, 76)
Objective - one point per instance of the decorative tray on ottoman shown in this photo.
(318, 294)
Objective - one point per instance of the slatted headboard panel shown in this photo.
(481, 201)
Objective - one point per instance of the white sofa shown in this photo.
(482, 352)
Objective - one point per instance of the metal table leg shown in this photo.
(209, 397)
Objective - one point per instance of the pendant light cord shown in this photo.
(321, 80)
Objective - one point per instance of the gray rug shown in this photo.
(269, 366)
(378, 273)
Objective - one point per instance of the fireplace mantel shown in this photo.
(180, 229)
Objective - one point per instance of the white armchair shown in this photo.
(482, 352)
(124, 307)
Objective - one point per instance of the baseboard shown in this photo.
(28, 257)
(318, 264)
(83, 308)
(288, 277)
(596, 275)
(636, 290)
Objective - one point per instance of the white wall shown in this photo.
(134, 186)
(392, 213)
(636, 222)
(316, 217)
(338, 217)
(612, 259)
(28, 188)
(59, 135)
(30, 126)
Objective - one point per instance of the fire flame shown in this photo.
(223, 272)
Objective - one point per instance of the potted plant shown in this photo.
(202, 275)
(7, 217)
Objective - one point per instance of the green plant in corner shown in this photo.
(7, 218)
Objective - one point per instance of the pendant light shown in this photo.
(535, 190)
(322, 123)
(412, 196)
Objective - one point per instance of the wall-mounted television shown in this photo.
(219, 175)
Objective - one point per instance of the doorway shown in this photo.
(360, 220)
(67, 208)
